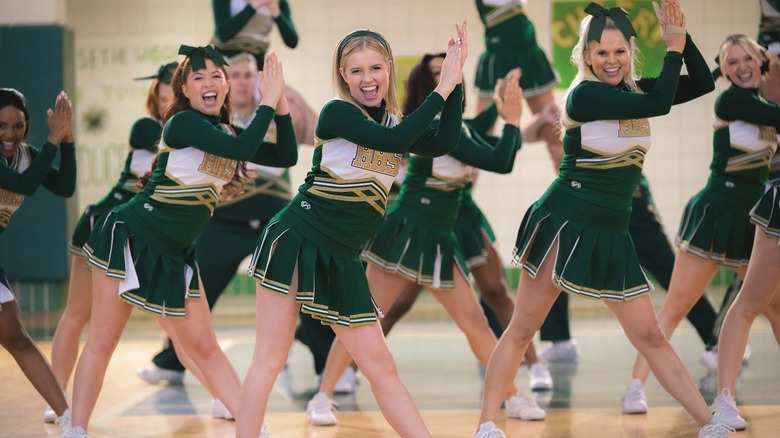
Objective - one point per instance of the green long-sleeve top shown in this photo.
(744, 141)
(506, 25)
(608, 131)
(197, 157)
(435, 186)
(29, 168)
(356, 159)
(248, 30)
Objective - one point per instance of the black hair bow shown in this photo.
(198, 56)
(600, 14)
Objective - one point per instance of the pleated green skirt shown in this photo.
(331, 281)
(717, 227)
(417, 246)
(596, 257)
(766, 213)
(90, 217)
(472, 229)
(155, 273)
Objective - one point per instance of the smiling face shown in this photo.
(367, 74)
(206, 89)
(243, 79)
(12, 130)
(610, 58)
(742, 68)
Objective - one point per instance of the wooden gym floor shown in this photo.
(437, 366)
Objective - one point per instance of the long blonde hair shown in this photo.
(585, 72)
(354, 42)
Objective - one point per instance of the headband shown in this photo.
(358, 34)
(600, 14)
(198, 56)
(164, 73)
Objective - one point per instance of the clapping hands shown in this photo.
(271, 82)
(452, 67)
(672, 19)
(60, 120)
(508, 97)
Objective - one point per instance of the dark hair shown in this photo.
(12, 97)
(180, 102)
(421, 83)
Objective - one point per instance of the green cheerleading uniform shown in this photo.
(510, 42)
(586, 210)
(417, 238)
(341, 204)
(716, 222)
(231, 234)
(144, 136)
(147, 243)
(22, 174)
(472, 225)
(242, 28)
(766, 213)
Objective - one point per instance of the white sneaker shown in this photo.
(717, 430)
(634, 400)
(539, 377)
(348, 382)
(524, 407)
(219, 410)
(321, 410)
(725, 411)
(64, 420)
(489, 430)
(155, 375)
(264, 431)
(74, 432)
(49, 416)
(561, 351)
(710, 358)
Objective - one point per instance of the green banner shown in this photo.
(566, 18)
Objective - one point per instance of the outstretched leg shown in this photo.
(15, 339)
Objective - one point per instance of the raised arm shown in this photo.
(739, 104)
(27, 182)
(191, 129)
(600, 101)
(696, 83)
(285, 24)
(226, 27)
(283, 153)
(342, 119)
(62, 180)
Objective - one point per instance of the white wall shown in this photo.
(119, 40)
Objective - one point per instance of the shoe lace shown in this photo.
(716, 430)
(726, 408)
